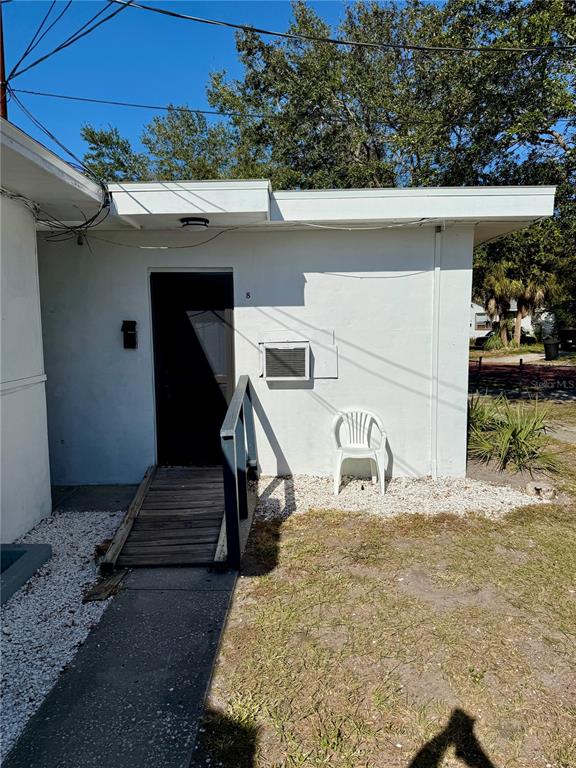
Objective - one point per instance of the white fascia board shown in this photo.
(216, 200)
(454, 204)
(32, 170)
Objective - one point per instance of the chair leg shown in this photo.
(337, 473)
(382, 472)
(374, 470)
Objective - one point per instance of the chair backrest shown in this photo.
(358, 428)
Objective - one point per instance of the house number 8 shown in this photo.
(248, 295)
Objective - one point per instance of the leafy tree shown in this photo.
(111, 157)
(181, 145)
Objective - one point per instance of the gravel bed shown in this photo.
(45, 621)
(280, 497)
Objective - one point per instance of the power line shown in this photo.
(166, 108)
(37, 38)
(84, 30)
(340, 41)
(104, 209)
(36, 33)
(160, 107)
(79, 164)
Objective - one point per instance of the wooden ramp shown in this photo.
(174, 519)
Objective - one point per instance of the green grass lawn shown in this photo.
(354, 641)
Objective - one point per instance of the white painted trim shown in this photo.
(411, 192)
(187, 185)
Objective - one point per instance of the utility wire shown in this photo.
(39, 28)
(340, 41)
(55, 224)
(160, 107)
(53, 24)
(79, 163)
(84, 30)
(34, 43)
(186, 110)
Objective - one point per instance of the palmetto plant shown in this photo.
(512, 436)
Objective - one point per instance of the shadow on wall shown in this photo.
(232, 743)
(282, 466)
(283, 469)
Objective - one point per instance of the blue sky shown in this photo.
(137, 56)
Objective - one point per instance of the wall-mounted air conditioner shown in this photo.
(285, 360)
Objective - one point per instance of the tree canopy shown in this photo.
(311, 114)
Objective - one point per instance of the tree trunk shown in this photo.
(518, 326)
(503, 332)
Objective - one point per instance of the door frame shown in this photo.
(229, 317)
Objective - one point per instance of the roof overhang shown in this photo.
(492, 211)
(29, 169)
(161, 204)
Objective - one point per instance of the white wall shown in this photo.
(371, 291)
(24, 477)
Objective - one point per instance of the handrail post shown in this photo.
(249, 428)
(231, 502)
(240, 440)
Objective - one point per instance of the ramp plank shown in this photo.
(177, 519)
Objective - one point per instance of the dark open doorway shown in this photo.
(193, 363)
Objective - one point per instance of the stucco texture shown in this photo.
(365, 300)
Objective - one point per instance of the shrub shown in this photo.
(494, 342)
(511, 436)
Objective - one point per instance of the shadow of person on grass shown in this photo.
(459, 733)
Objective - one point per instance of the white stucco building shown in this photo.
(31, 178)
(375, 283)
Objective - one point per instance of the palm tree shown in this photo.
(498, 291)
(530, 298)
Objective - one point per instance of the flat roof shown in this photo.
(493, 211)
(30, 169)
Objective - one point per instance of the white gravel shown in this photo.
(45, 621)
(283, 496)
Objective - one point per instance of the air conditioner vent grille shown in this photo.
(285, 363)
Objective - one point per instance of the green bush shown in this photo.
(510, 436)
(494, 342)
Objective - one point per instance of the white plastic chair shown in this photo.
(355, 438)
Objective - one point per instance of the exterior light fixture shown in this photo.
(194, 222)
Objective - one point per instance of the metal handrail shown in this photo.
(238, 441)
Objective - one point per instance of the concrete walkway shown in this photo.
(133, 697)
(564, 433)
(528, 357)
